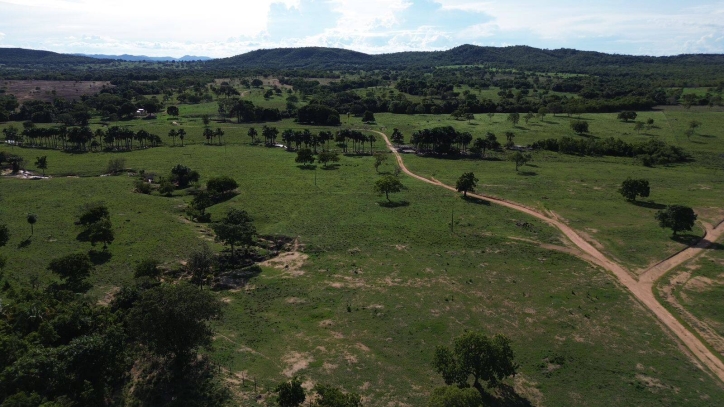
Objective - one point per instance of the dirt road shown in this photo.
(642, 291)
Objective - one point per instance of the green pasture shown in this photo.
(383, 284)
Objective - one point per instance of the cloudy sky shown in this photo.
(220, 28)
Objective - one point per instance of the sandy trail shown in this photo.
(641, 291)
(657, 271)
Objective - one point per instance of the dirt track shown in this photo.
(641, 290)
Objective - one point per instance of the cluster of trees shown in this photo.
(95, 220)
(292, 394)
(82, 138)
(246, 112)
(441, 140)
(678, 218)
(59, 347)
(651, 152)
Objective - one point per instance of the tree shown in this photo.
(328, 396)
(650, 123)
(291, 394)
(676, 218)
(221, 186)
(638, 127)
(4, 234)
(235, 229)
(514, 118)
(453, 396)
(387, 185)
(466, 182)
(101, 232)
(627, 115)
(208, 135)
(205, 120)
(42, 163)
(252, 133)
(490, 116)
(380, 158)
(219, 134)
(172, 111)
(528, 116)
(200, 265)
(397, 137)
(173, 319)
(477, 356)
(579, 126)
(304, 156)
(693, 125)
(31, 218)
(542, 112)
(326, 157)
(368, 117)
(257, 83)
(172, 133)
(520, 159)
(183, 176)
(73, 269)
(181, 135)
(631, 188)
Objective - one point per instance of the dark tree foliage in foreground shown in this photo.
(677, 218)
(475, 356)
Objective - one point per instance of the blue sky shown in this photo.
(220, 28)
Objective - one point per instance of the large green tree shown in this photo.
(677, 218)
(174, 319)
(631, 188)
(73, 269)
(305, 156)
(475, 356)
(290, 394)
(235, 229)
(387, 185)
(466, 182)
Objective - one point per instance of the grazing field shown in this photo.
(583, 190)
(372, 287)
(47, 91)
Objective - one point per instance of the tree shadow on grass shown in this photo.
(307, 167)
(477, 201)
(505, 397)
(527, 173)
(25, 243)
(393, 204)
(331, 167)
(99, 257)
(707, 136)
(687, 239)
(649, 204)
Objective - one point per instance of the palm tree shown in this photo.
(32, 218)
(181, 133)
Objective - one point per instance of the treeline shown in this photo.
(81, 138)
(651, 152)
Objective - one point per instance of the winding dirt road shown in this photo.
(642, 290)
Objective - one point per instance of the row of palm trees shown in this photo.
(297, 139)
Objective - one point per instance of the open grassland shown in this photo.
(583, 190)
(375, 288)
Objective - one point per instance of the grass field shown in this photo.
(382, 286)
(583, 189)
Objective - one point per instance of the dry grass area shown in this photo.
(25, 90)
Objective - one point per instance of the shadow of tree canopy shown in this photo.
(393, 204)
(505, 396)
(649, 204)
(307, 167)
(477, 201)
(528, 173)
(687, 239)
(99, 257)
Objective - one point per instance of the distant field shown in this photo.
(381, 286)
(44, 90)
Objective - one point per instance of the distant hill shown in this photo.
(141, 58)
(520, 57)
(21, 56)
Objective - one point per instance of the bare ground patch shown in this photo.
(296, 361)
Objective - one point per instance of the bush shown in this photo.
(143, 187)
(116, 165)
(221, 186)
